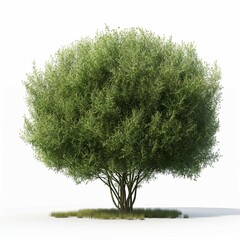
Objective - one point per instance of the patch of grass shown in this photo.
(159, 213)
(64, 214)
(108, 214)
(139, 213)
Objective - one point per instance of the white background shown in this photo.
(33, 30)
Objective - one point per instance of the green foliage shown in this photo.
(64, 214)
(115, 214)
(126, 105)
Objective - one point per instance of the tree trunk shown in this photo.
(123, 188)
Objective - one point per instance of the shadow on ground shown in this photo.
(209, 212)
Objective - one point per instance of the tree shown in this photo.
(123, 107)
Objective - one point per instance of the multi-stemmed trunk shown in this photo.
(123, 187)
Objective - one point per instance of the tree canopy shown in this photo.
(123, 107)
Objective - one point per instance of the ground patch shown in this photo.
(139, 213)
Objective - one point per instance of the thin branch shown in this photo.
(135, 195)
(144, 176)
(103, 180)
(114, 202)
(114, 190)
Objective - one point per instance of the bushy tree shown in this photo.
(123, 107)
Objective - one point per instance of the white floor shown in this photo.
(203, 223)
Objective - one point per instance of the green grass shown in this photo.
(139, 213)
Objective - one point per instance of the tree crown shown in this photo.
(125, 101)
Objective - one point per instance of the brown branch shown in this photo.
(114, 202)
(103, 180)
(135, 195)
(113, 189)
